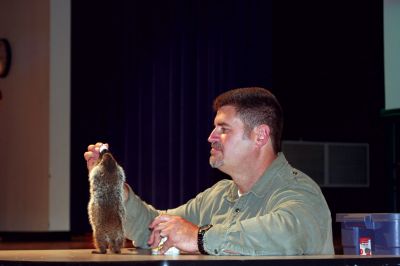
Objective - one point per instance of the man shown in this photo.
(268, 208)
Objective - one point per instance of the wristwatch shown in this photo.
(200, 234)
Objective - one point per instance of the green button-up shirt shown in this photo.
(285, 213)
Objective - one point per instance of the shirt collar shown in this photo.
(232, 194)
(260, 188)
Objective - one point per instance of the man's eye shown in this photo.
(224, 130)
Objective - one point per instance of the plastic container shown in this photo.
(383, 230)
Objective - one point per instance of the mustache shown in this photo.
(217, 146)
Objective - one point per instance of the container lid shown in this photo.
(361, 217)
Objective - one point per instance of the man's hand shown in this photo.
(92, 154)
(181, 233)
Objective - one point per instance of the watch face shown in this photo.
(5, 57)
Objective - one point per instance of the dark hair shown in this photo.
(255, 106)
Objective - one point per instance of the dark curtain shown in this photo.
(144, 75)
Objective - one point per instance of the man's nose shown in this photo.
(213, 136)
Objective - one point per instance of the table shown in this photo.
(84, 257)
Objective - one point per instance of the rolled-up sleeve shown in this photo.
(138, 217)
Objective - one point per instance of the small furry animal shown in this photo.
(106, 207)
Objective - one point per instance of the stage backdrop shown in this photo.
(144, 75)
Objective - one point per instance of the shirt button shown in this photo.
(237, 210)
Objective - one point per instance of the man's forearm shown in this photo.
(138, 217)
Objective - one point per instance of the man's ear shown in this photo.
(262, 134)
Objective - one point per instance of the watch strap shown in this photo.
(200, 238)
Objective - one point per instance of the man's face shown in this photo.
(230, 146)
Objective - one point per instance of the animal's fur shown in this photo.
(106, 207)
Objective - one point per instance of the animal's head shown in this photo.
(107, 161)
(107, 167)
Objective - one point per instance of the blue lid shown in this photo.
(362, 217)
